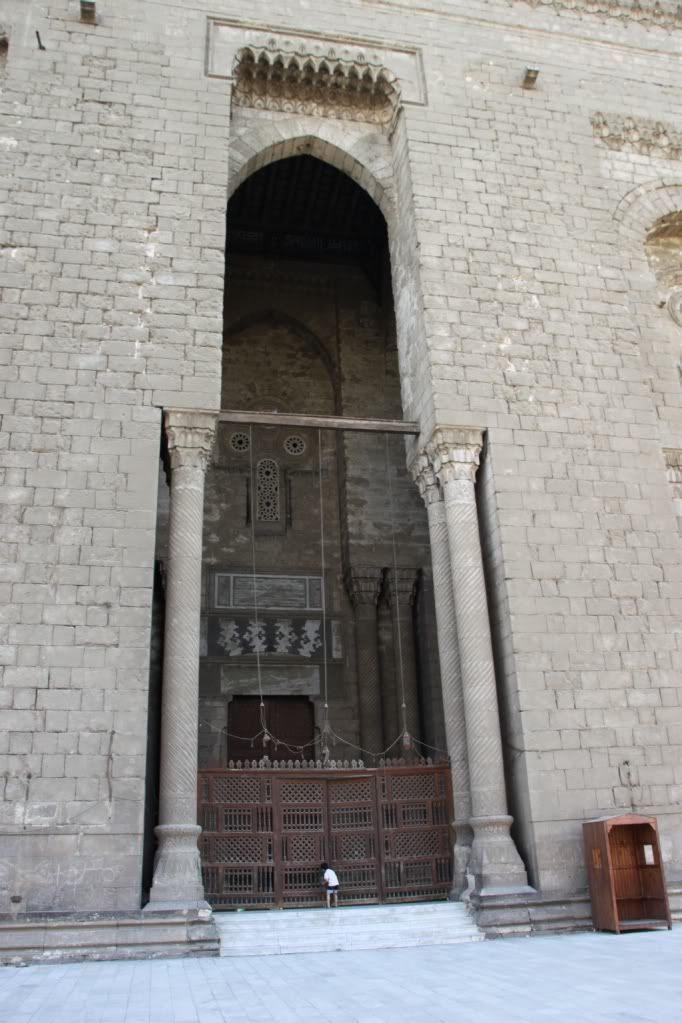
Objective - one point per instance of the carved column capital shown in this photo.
(363, 583)
(673, 462)
(424, 476)
(190, 436)
(455, 453)
(402, 586)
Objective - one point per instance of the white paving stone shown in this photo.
(598, 978)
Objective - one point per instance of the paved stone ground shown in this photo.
(586, 977)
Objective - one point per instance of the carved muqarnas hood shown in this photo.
(326, 86)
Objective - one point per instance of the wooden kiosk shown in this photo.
(625, 871)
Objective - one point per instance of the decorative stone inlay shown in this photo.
(267, 490)
(639, 135)
(240, 442)
(295, 445)
(323, 85)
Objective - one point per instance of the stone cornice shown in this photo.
(638, 134)
(455, 453)
(189, 435)
(325, 86)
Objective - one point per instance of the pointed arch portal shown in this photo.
(316, 552)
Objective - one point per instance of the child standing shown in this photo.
(331, 883)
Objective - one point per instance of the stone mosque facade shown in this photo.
(341, 424)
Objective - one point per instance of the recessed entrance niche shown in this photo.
(317, 593)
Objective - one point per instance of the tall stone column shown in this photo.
(389, 695)
(400, 592)
(495, 861)
(177, 873)
(364, 584)
(451, 676)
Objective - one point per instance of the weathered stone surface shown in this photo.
(525, 307)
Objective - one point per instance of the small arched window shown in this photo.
(267, 491)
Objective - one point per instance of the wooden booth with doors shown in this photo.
(625, 872)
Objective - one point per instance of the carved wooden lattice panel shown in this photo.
(385, 830)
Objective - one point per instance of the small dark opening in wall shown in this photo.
(4, 50)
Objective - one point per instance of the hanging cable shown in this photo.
(324, 736)
(406, 737)
(256, 639)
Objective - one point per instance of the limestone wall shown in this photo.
(525, 306)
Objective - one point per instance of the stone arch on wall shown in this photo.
(650, 221)
(644, 214)
(365, 157)
(643, 206)
(278, 318)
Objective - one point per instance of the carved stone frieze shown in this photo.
(638, 135)
(323, 85)
(660, 15)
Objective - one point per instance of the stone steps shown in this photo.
(277, 932)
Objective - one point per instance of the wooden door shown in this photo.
(290, 720)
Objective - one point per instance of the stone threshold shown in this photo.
(78, 937)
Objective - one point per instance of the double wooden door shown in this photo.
(290, 718)
(386, 831)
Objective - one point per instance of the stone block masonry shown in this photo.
(526, 310)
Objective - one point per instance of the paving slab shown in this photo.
(629, 978)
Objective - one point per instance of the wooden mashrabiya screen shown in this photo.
(268, 826)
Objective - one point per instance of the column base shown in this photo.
(177, 880)
(495, 862)
(461, 857)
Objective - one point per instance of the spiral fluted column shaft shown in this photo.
(455, 456)
(177, 874)
(448, 654)
(363, 586)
